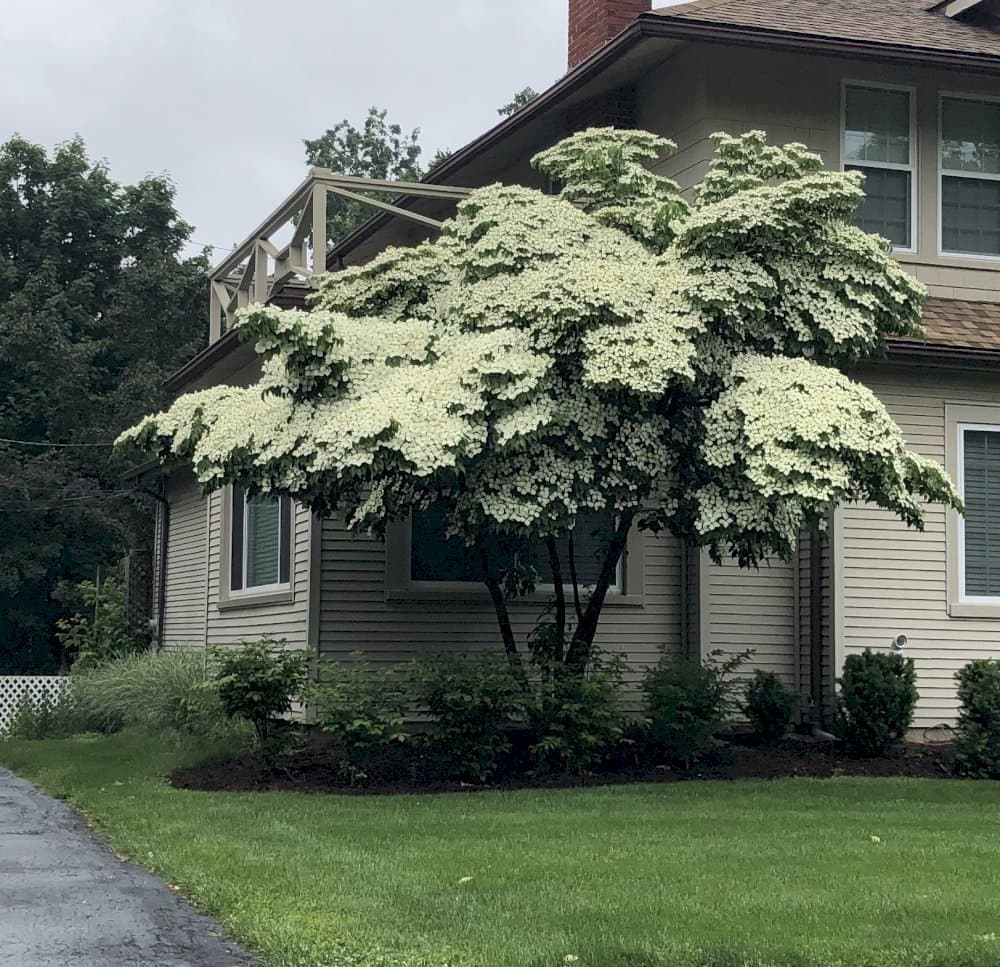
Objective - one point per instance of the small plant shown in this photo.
(98, 630)
(977, 748)
(257, 682)
(577, 721)
(47, 718)
(878, 694)
(362, 709)
(472, 699)
(770, 705)
(689, 702)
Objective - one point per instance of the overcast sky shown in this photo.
(220, 94)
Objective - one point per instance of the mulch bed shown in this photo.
(317, 770)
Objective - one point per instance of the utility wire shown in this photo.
(41, 443)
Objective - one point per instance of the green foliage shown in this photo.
(473, 699)
(97, 306)
(977, 748)
(522, 98)
(576, 720)
(362, 709)
(378, 149)
(47, 718)
(770, 705)
(878, 693)
(98, 630)
(257, 681)
(689, 702)
(161, 691)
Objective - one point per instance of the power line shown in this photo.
(41, 443)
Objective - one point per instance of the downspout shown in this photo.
(816, 626)
(161, 559)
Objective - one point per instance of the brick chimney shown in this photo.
(592, 23)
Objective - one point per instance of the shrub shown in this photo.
(472, 699)
(362, 709)
(770, 705)
(161, 691)
(577, 722)
(257, 681)
(878, 694)
(98, 630)
(688, 703)
(977, 748)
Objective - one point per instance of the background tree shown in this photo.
(611, 349)
(97, 306)
(524, 96)
(378, 149)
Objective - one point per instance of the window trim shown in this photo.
(401, 587)
(912, 167)
(282, 592)
(958, 418)
(942, 173)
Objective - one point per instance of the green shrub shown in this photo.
(878, 694)
(770, 705)
(472, 700)
(257, 682)
(977, 748)
(98, 630)
(577, 722)
(362, 709)
(689, 702)
(47, 718)
(161, 691)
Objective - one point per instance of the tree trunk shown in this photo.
(582, 644)
(503, 618)
(560, 593)
(573, 579)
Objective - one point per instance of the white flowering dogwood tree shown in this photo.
(610, 348)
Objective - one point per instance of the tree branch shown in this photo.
(560, 591)
(573, 578)
(492, 583)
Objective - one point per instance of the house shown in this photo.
(908, 91)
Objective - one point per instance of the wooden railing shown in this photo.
(255, 270)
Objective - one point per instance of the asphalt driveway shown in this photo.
(65, 899)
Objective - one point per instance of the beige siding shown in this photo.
(184, 601)
(894, 579)
(357, 613)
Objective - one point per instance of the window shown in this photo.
(979, 530)
(433, 558)
(260, 542)
(878, 141)
(970, 176)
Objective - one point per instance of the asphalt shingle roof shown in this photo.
(901, 23)
(962, 324)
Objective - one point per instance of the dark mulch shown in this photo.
(318, 770)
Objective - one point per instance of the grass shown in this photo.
(724, 874)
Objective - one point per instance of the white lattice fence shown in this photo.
(13, 688)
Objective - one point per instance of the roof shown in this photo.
(909, 24)
(958, 324)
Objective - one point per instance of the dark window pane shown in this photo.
(877, 125)
(982, 513)
(970, 135)
(970, 216)
(887, 205)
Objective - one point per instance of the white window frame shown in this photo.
(262, 594)
(912, 167)
(964, 597)
(942, 173)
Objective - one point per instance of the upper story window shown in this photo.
(435, 558)
(879, 141)
(970, 176)
(260, 542)
(979, 530)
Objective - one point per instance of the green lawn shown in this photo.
(738, 873)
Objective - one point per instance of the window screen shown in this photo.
(878, 143)
(970, 176)
(981, 479)
(261, 541)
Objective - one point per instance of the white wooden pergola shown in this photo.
(256, 269)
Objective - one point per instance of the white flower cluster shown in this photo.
(607, 347)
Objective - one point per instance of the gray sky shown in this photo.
(220, 93)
